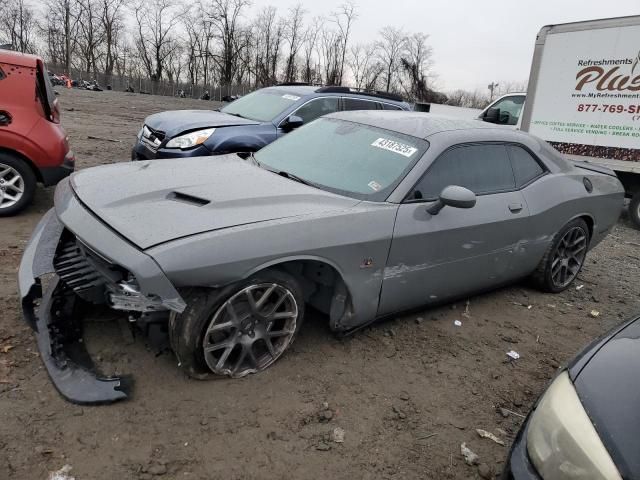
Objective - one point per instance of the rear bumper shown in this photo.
(53, 175)
(57, 320)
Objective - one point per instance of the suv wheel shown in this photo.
(17, 185)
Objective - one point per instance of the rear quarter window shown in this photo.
(359, 104)
(525, 167)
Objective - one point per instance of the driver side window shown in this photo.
(483, 169)
(510, 109)
(317, 108)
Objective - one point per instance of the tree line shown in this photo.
(222, 43)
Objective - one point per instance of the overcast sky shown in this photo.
(474, 42)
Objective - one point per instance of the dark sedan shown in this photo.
(250, 122)
(585, 425)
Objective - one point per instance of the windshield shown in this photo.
(344, 157)
(262, 105)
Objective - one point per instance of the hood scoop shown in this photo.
(186, 198)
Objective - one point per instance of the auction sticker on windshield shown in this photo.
(395, 147)
(375, 186)
(291, 97)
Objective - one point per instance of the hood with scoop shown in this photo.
(153, 202)
(175, 122)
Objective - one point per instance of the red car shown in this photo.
(34, 147)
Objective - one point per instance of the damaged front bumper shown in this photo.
(55, 314)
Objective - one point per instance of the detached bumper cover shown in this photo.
(58, 330)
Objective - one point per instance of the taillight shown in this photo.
(55, 112)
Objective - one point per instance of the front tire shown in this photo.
(634, 209)
(240, 329)
(17, 185)
(564, 258)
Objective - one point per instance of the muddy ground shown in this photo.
(406, 392)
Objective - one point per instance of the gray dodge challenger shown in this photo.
(360, 215)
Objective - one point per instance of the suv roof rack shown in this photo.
(294, 84)
(361, 91)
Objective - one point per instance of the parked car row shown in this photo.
(229, 224)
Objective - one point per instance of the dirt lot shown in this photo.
(406, 392)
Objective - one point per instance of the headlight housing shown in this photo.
(190, 139)
(562, 442)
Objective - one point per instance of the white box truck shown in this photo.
(584, 97)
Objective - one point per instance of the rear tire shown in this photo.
(634, 209)
(237, 330)
(563, 260)
(17, 185)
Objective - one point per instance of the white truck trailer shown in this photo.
(584, 97)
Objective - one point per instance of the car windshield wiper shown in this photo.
(295, 178)
(254, 159)
(236, 114)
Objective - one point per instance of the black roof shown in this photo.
(369, 93)
(307, 88)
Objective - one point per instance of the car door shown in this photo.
(313, 109)
(457, 251)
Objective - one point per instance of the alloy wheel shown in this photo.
(250, 330)
(569, 257)
(11, 186)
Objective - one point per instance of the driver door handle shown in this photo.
(515, 207)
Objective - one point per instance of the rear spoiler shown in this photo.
(594, 167)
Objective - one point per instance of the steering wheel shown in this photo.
(505, 117)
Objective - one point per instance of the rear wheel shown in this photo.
(240, 329)
(634, 209)
(564, 258)
(17, 185)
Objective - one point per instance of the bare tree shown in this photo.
(110, 17)
(295, 37)
(155, 21)
(330, 45)
(225, 16)
(468, 99)
(416, 65)
(268, 33)
(61, 31)
(511, 86)
(365, 68)
(344, 18)
(18, 25)
(90, 34)
(390, 48)
(310, 47)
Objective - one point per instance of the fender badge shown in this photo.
(367, 263)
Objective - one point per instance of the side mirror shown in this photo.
(453, 196)
(292, 123)
(492, 115)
